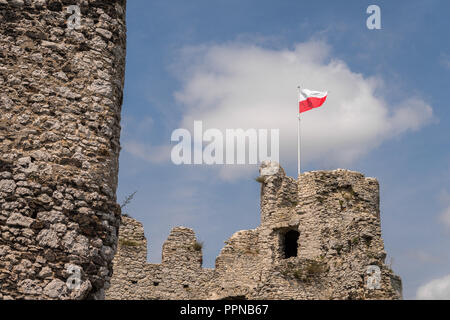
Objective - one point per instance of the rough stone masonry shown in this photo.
(319, 238)
(60, 103)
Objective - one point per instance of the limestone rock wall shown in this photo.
(60, 103)
(336, 214)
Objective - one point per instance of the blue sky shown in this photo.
(404, 72)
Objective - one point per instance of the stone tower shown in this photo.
(60, 103)
(319, 238)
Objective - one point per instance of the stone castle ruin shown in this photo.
(61, 93)
(319, 238)
(60, 102)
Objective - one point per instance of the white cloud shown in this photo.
(246, 86)
(444, 196)
(137, 129)
(445, 217)
(423, 256)
(438, 289)
(149, 153)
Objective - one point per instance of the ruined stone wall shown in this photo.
(337, 216)
(60, 103)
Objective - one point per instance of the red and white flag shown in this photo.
(310, 99)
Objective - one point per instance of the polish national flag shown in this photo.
(311, 99)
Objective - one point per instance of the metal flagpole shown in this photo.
(298, 131)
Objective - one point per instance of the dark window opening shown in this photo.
(134, 281)
(156, 284)
(291, 243)
(185, 286)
